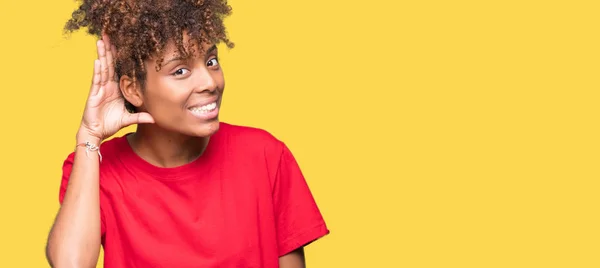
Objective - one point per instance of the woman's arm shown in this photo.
(294, 259)
(74, 240)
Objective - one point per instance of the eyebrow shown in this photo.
(211, 49)
(175, 58)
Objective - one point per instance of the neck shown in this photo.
(164, 148)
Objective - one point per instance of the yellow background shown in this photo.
(432, 133)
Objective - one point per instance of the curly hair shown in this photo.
(141, 29)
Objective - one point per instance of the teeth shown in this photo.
(204, 109)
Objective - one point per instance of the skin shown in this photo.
(168, 135)
(177, 136)
(294, 259)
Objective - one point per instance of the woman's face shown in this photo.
(185, 94)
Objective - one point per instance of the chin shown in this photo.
(206, 129)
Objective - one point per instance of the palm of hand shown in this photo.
(105, 111)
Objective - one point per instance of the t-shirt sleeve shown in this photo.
(66, 173)
(298, 219)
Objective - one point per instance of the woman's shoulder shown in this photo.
(251, 140)
(115, 145)
(248, 134)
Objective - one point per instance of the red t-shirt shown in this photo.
(243, 203)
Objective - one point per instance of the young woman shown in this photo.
(184, 190)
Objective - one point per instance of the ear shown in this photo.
(131, 90)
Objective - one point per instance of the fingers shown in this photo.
(113, 50)
(137, 118)
(96, 79)
(110, 55)
(106, 40)
(103, 62)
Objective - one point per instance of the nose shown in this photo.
(204, 81)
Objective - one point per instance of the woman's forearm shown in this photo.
(74, 240)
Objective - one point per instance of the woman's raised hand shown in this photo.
(105, 111)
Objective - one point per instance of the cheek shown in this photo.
(220, 80)
(165, 98)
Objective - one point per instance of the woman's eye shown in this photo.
(213, 62)
(181, 71)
